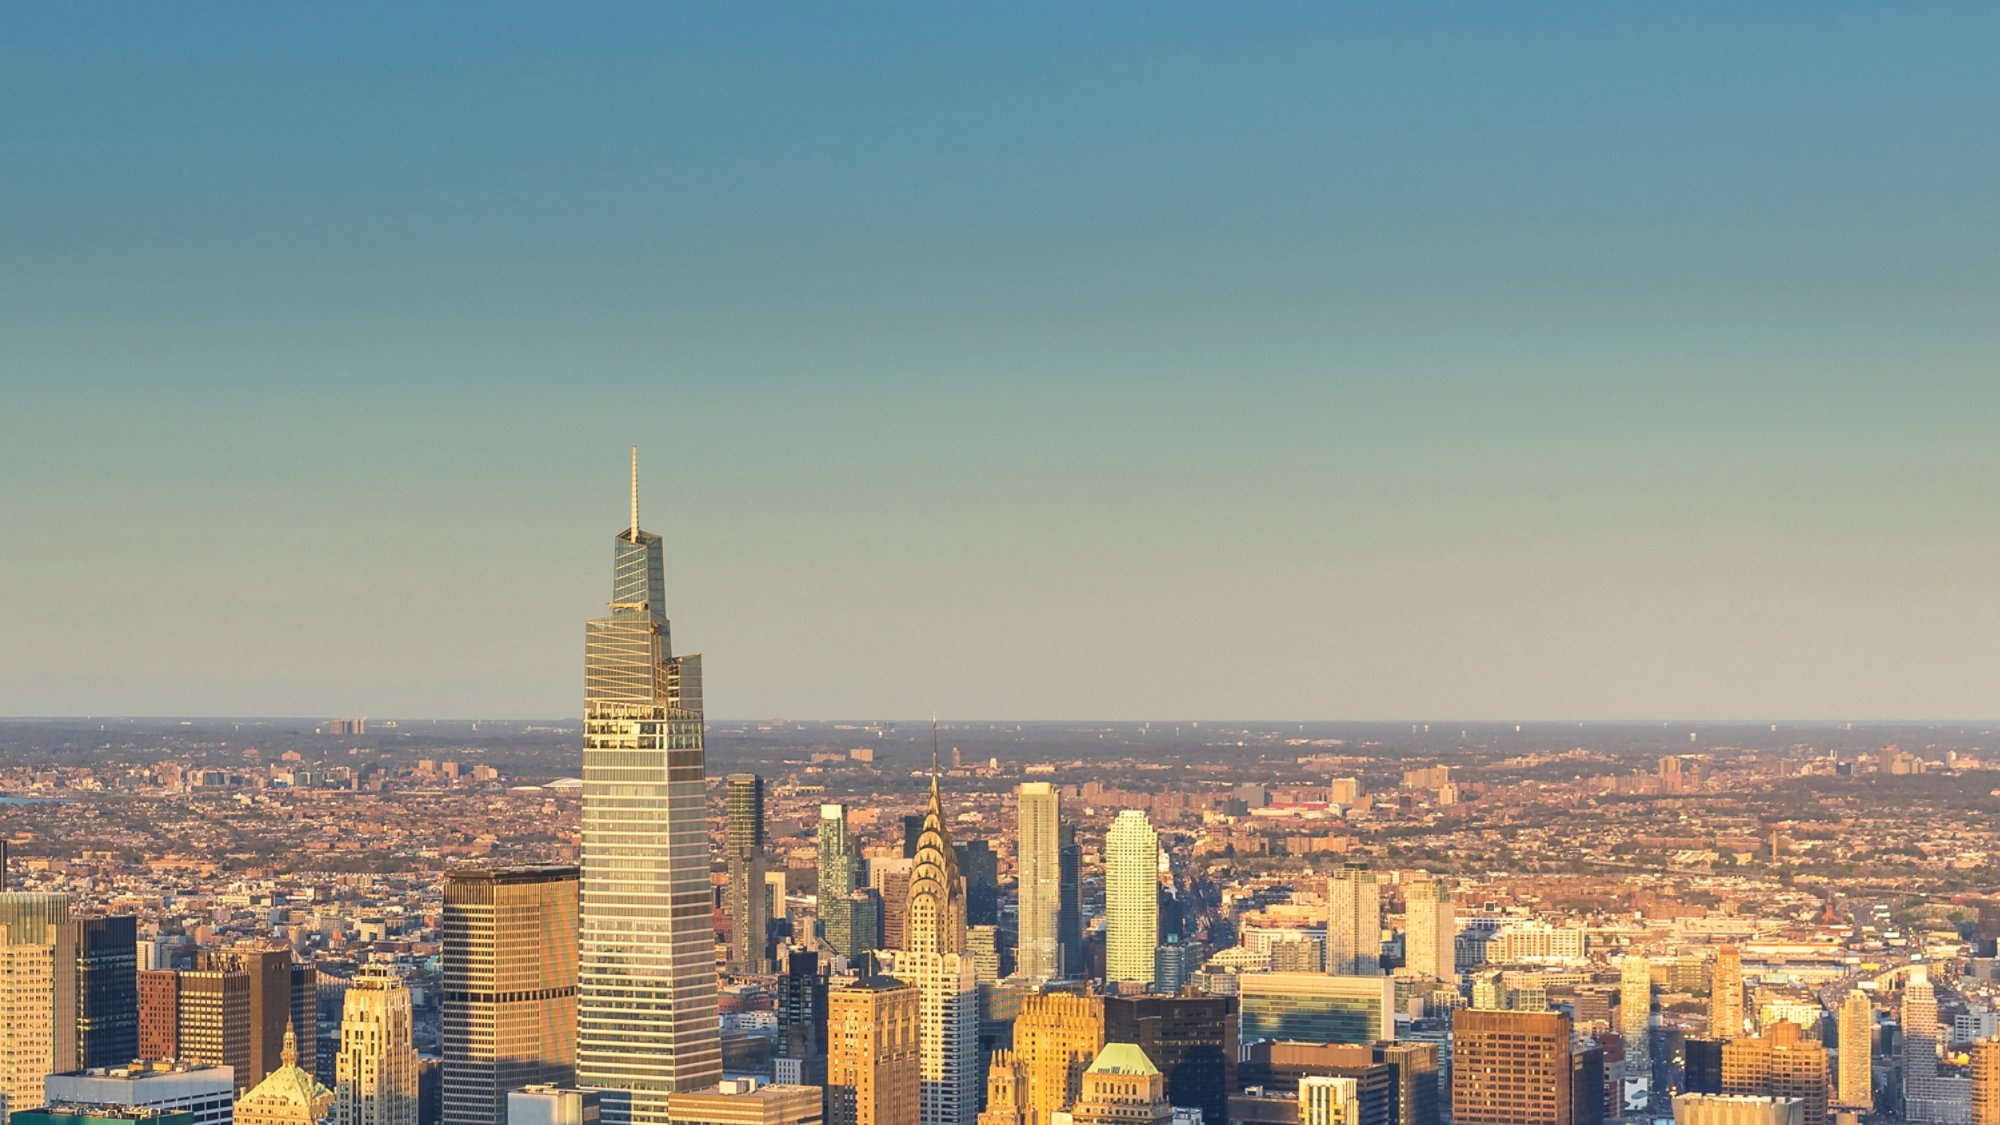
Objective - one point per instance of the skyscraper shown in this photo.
(269, 974)
(509, 937)
(159, 1015)
(1985, 1080)
(214, 1020)
(376, 1071)
(839, 878)
(107, 990)
(1856, 1085)
(1056, 1035)
(1511, 1068)
(1781, 1064)
(744, 861)
(873, 1048)
(1353, 922)
(38, 958)
(1069, 917)
(1725, 995)
(1131, 899)
(1430, 930)
(1038, 881)
(646, 1007)
(801, 1012)
(935, 960)
(1635, 1016)
(289, 1095)
(1192, 1039)
(1921, 1091)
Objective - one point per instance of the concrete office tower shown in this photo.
(1635, 1017)
(289, 1095)
(376, 1071)
(1325, 1100)
(1985, 1081)
(1856, 1085)
(1511, 1068)
(214, 1021)
(1736, 1109)
(1123, 1087)
(889, 878)
(839, 878)
(1353, 922)
(1056, 1035)
(646, 1007)
(159, 1014)
(872, 1053)
(746, 1101)
(37, 995)
(1131, 900)
(1038, 881)
(1780, 1064)
(107, 991)
(744, 861)
(509, 936)
(936, 961)
(208, 1093)
(268, 970)
(1430, 929)
(1725, 995)
(1316, 1008)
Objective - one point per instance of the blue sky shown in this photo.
(1435, 361)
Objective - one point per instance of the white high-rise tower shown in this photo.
(646, 1010)
(1131, 899)
(1353, 922)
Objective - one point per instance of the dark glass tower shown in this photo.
(107, 991)
(744, 860)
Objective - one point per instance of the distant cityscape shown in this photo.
(395, 921)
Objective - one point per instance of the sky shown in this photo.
(1025, 361)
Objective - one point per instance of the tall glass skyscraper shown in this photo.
(646, 1009)
(743, 857)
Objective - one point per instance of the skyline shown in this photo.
(1552, 365)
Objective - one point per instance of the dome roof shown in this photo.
(289, 1084)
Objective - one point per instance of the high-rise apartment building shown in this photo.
(38, 959)
(1922, 1044)
(376, 1071)
(646, 1005)
(1511, 1068)
(1038, 881)
(1353, 922)
(1131, 900)
(745, 899)
(1985, 1082)
(1780, 1064)
(873, 1053)
(1430, 930)
(1635, 1016)
(1122, 1086)
(1056, 1035)
(1725, 995)
(1856, 1069)
(935, 959)
(510, 952)
(107, 990)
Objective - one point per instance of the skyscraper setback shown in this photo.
(646, 1007)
